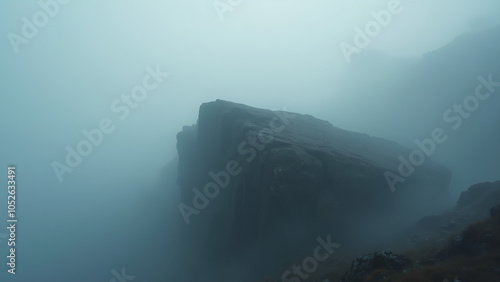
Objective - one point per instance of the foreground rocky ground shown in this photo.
(460, 245)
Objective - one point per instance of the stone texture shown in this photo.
(300, 178)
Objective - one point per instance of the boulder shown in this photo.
(270, 182)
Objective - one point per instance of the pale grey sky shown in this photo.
(270, 54)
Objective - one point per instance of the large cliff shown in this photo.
(270, 182)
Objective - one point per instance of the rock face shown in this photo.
(480, 198)
(477, 203)
(265, 182)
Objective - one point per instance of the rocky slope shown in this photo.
(461, 245)
(460, 250)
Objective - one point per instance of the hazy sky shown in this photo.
(268, 54)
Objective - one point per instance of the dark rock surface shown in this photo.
(473, 205)
(375, 267)
(269, 182)
(473, 254)
(477, 203)
(480, 197)
(469, 242)
(450, 245)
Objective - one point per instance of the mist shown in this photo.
(116, 206)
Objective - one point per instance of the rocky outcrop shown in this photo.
(476, 203)
(472, 254)
(469, 242)
(254, 180)
(479, 198)
(376, 267)
(471, 250)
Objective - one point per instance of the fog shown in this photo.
(118, 207)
